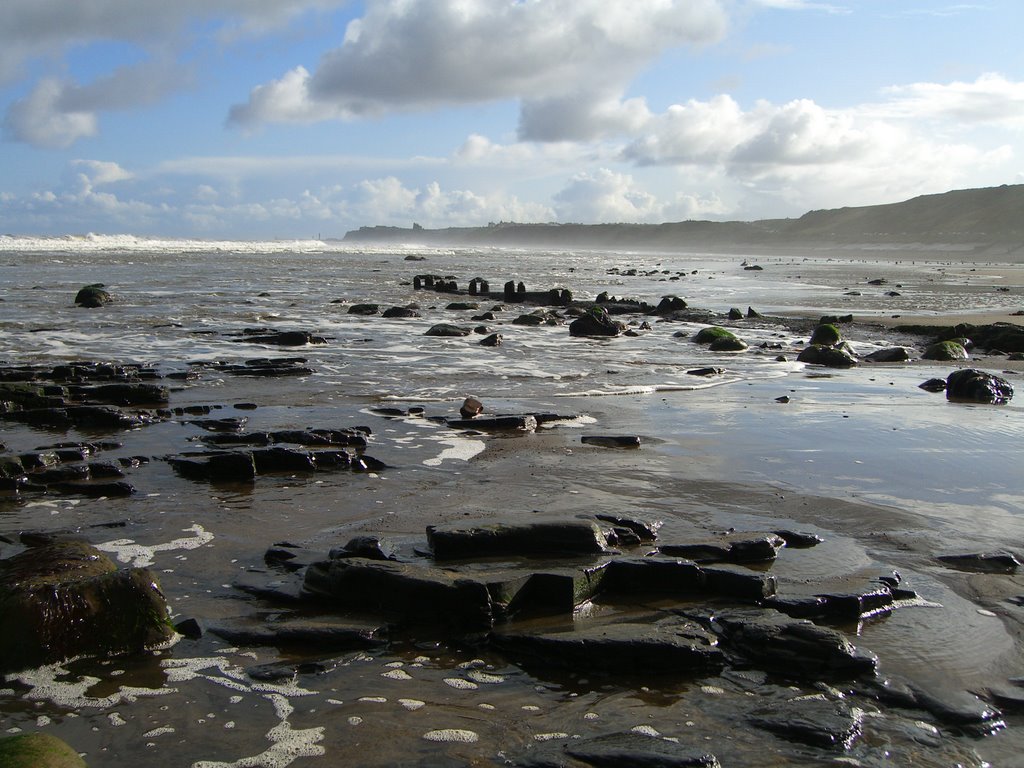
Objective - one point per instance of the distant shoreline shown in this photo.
(963, 225)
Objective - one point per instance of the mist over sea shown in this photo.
(719, 451)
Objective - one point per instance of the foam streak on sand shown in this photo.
(140, 556)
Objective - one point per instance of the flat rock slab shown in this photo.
(618, 749)
(792, 647)
(815, 721)
(753, 547)
(674, 646)
(464, 540)
(403, 593)
(319, 633)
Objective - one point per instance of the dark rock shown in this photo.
(753, 313)
(92, 296)
(671, 646)
(732, 548)
(734, 344)
(399, 312)
(526, 422)
(217, 467)
(595, 322)
(281, 338)
(94, 489)
(831, 357)
(364, 309)
(735, 314)
(463, 306)
(983, 562)
(792, 647)
(618, 749)
(669, 304)
(368, 547)
(933, 385)
(282, 460)
(738, 583)
(814, 721)
(447, 329)
(454, 541)
(633, 576)
(890, 355)
(827, 335)
(191, 628)
(799, 539)
(612, 441)
(971, 385)
(471, 407)
(323, 633)
(753, 268)
(494, 340)
(557, 591)
(706, 372)
(645, 530)
(68, 599)
(405, 594)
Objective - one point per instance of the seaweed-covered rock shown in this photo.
(595, 322)
(93, 296)
(830, 357)
(734, 344)
(826, 334)
(68, 599)
(976, 386)
(889, 355)
(38, 750)
(713, 334)
(945, 351)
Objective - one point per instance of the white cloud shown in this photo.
(606, 196)
(548, 54)
(100, 172)
(41, 120)
(992, 98)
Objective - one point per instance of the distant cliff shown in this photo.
(968, 219)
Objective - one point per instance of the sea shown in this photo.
(888, 474)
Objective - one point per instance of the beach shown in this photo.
(888, 476)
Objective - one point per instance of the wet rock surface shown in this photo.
(68, 599)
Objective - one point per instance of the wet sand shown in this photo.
(884, 473)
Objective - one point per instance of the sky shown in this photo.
(259, 119)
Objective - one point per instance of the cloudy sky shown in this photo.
(293, 118)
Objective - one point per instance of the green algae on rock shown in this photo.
(945, 351)
(68, 599)
(37, 750)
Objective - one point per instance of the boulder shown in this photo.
(38, 750)
(933, 385)
(612, 441)
(93, 296)
(974, 386)
(490, 538)
(730, 548)
(734, 344)
(945, 351)
(280, 338)
(827, 335)
(830, 357)
(67, 599)
(399, 312)
(669, 304)
(595, 322)
(645, 529)
(494, 340)
(712, 334)
(889, 355)
(364, 309)
(447, 329)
